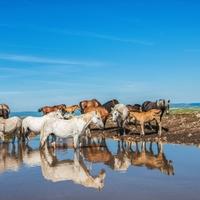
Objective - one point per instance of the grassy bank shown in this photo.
(185, 110)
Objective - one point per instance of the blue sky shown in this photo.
(55, 52)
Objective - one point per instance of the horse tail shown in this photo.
(22, 132)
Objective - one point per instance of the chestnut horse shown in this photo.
(110, 104)
(48, 109)
(101, 110)
(71, 109)
(4, 111)
(88, 103)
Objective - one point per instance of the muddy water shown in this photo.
(106, 169)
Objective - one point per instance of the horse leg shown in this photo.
(158, 122)
(150, 147)
(124, 126)
(43, 139)
(14, 136)
(76, 141)
(120, 126)
(142, 129)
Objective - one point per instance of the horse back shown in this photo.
(148, 105)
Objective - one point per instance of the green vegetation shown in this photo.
(185, 110)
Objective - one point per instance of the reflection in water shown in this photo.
(74, 170)
(98, 150)
(150, 159)
(126, 156)
(9, 159)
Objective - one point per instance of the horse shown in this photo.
(48, 109)
(74, 127)
(135, 107)
(4, 111)
(71, 169)
(161, 104)
(10, 126)
(101, 110)
(71, 109)
(110, 104)
(146, 117)
(88, 103)
(120, 115)
(34, 124)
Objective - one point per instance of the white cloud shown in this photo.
(46, 60)
(103, 36)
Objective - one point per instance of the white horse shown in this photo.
(34, 124)
(74, 170)
(70, 128)
(11, 125)
(120, 114)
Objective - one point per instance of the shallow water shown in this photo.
(109, 171)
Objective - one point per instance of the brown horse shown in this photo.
(71, 109)
(4, 111)
(48, 109)
(146, 117)
(101, 110)
(89, 103)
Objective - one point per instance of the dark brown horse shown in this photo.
(134, 108)
(48, 109)
(110, 104)
(161, 104)
(88, 103)
(4, 111)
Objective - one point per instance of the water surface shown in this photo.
(107, 170)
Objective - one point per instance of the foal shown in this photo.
(145, 117)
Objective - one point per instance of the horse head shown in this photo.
(115, 114)
(163, 105)
(99, 180)
(57, 114)
(96, 119)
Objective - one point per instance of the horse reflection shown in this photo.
(97, 151)
(9, 159)
(74, 170)
(150, 159)
(127, 157)
(12, 156)
(120, 161)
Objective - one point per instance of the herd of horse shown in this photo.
(61, 120)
